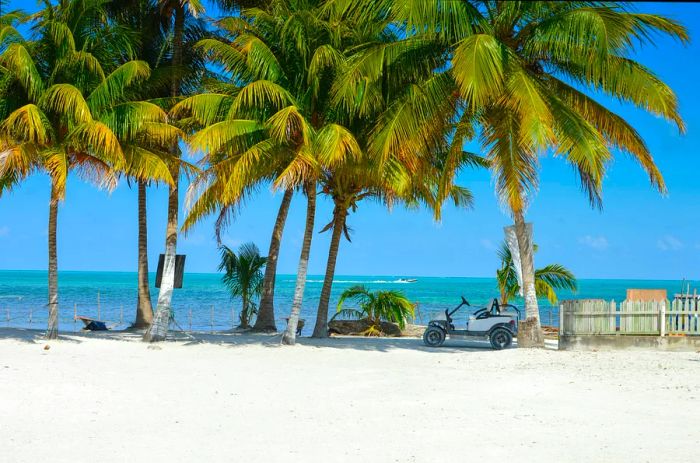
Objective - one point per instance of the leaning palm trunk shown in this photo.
(159, 329)
(530, 330)
(144, 309)
(266, 312)
(290, 333)
(321, 327)
(52, 329)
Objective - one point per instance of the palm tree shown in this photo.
(360, 176)
(184, 69)
(151, 42)
(390, 155)
(175, 15)
(524, 72)
(243, 277)
(149, 159)
(378, 306)
(63, 113)
(279, 138)
(289, 336)
(548, 279)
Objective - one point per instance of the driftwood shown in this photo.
(358, 327)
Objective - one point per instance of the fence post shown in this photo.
(98, 305)
(7, 309)
(211, 318)
(75, 317)
(662, 322)
(561, 319)
(121, 314)
(233, 317)
(189, 317)
(30, 316)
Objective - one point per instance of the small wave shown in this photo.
(12, 296)
(364, 281)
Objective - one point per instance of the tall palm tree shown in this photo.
(357, 179)
(243, 277)
(64, 113)
(548, 279)
(290, 332)
(524, 73)
(151, 42)
(175, 15)
(393, 156)
(287, 71)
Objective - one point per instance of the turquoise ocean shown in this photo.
(204, 304)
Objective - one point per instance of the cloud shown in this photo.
(4, 231)
(599, 243)
(487, 244)
(669, 243)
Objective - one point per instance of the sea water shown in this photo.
(204, 303)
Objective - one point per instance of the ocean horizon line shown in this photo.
(349, 275)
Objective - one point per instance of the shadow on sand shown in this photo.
(236, 338)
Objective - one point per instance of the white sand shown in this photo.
(245, 399)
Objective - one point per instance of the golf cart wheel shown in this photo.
(433, 337)
(501, 338)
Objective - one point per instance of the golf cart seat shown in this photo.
(491, 309)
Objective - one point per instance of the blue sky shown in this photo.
(639, 234)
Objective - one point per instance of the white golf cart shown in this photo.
(496, 323)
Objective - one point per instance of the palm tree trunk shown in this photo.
(321, 327)
(161, 322)
(52, 329)
(159, 328)
(290, 333)
(144, 309)
(530, 330)
(245, 322)
(266, 312)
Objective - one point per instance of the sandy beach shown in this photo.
(244, 398)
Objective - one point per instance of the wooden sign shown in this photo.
(179, 270)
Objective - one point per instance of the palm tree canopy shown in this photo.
(392, 306)
(243, 271)
(523, 78)
(283, 111)
(68, 104)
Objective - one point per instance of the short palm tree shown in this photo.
(243, 276)
(377, 306)
(548, 279)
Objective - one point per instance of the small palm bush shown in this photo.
(548, 279)
(378, 306)
(243, 276)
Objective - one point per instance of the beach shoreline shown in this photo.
(225, 397)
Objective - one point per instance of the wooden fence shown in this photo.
(659, 318)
